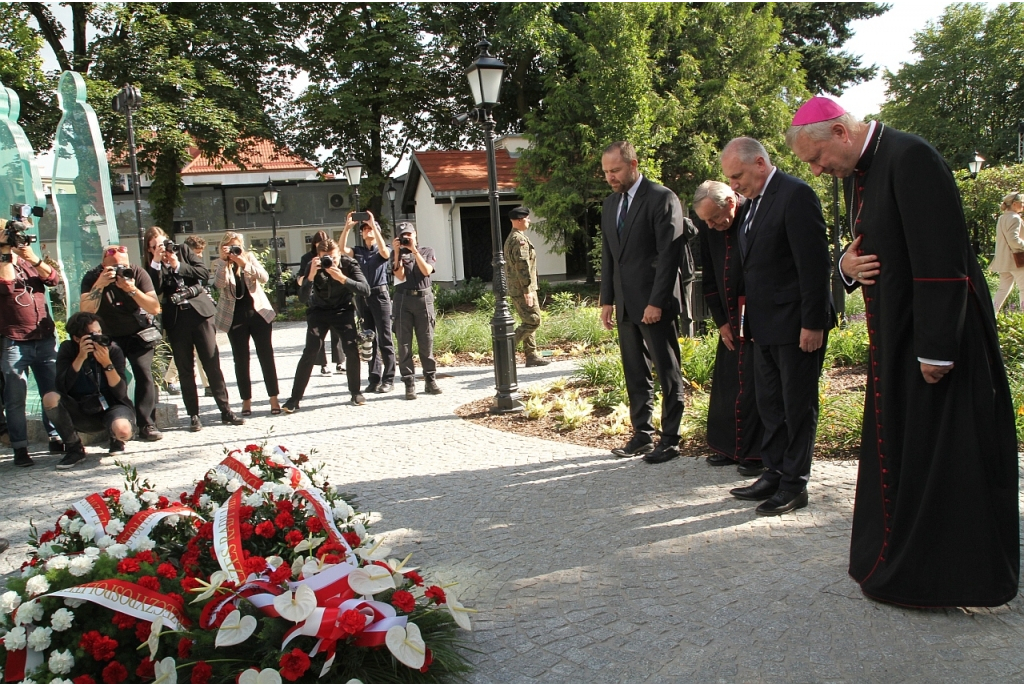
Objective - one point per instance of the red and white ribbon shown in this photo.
(326, 515)
(19, 662)
(139, 525)
(129, 598)
(227, 537)
(231, 467)
(324, 623)
(95, 512)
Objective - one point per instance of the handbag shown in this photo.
(150, 335)
(1018, 259)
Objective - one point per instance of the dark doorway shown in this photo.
(477, 251)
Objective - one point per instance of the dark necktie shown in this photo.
(622, 213)
(748, 221)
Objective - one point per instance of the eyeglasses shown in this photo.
(111, 251)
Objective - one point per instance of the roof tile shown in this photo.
(454, 170)
(262, 156)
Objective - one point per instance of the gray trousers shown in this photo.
(414, 313)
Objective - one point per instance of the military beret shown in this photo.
(519, 213)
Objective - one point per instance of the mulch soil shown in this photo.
(590, 435)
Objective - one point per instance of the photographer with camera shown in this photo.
(372, 255)
(27, 332)
(91, 388)
(336, 280)
(188, 318)
(305, 286)
(243, 312)
(414, 308)
(122, 294)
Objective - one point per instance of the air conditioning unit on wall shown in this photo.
(245, 205)
(337, 201)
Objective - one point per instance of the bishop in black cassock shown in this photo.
(935, 521)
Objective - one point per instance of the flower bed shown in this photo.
(261, 573)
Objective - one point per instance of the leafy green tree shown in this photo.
(964, 93)
(21, 69)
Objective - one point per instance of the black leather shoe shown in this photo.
(21, 457)
(290, 407)
(386, 386)
(761, 489)
(637, 446)
(781, 502)
(150, 434)
(358, 400)
(229, 418)
(431, 387)
(410, 391)
(56, 446)
(372, 387)
(750, 470)
(662, 453)
(195, 425)
(719, 460)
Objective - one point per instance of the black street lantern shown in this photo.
(974, 166)
(354, 174)
(485, 76)
(392, 193)
(270, 195)
(126, 100)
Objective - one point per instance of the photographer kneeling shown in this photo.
(92, 393)
(336, 279)
(122, 294)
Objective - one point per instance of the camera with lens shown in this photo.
(365, 339)
(185, 294)
(122, 271)
(405, 241)
(20, 212)
(100, 339)
(326, 262)
(16, 234)
(235, 250)
(169, 246)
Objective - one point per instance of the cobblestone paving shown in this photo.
(584, 568)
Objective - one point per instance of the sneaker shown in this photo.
(410, 390)
(195, 425)
(358, 400)
(115, 446)
(21, 457)
(324, 371)
(637, 446)
(150, 434)
(431, 387)
(339, 368)
(56, 446)
(230, 418)
(74, 456)
(290, 407)
(173, 389)
(386, 386)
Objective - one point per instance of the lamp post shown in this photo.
(270, 195)
(974, 166)
(392, 193)
(485, 76)
(127, 99)
(354, 174)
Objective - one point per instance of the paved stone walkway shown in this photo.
(584, 568)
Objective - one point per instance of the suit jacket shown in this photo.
(786, 266)
(643, 268)
(191, 271)
(254, 276)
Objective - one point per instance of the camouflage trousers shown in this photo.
(529, 317)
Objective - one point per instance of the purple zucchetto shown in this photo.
(817, 109)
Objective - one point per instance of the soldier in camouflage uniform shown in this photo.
(521, 266)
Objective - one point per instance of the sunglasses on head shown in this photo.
(111, 251)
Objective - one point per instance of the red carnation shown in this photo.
(183, 497)
(428, 659)
(403, 601)
(129, 565)
(184, 648)
(145, 669)
(285, 505)
(266, 529)
(255, 565)
(294, 664)
(252, 448)
(201, 672)
(163, 502)
(176, 598)
(85, 679)
(146, 556)
(149, 582)
(47, 536)
(281, 574)
(293, 538)
(112, 493)
(205, 531)
(188, 583)
(284, 520)
(167, 570)
(352, 539)
(247, 530)
(115, 673)
(142, 630)
(331, 559)
(415, 577)
(123, 621)
(100, 647)
(352, 622)
(245, 512)
(435, 593)
(314, 525)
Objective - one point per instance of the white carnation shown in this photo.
(145, 544)
(130, 504)
(114, 527)
(282, 490)
(73, 603)
(255, 470)
(172, 520)
(29, 612)
(76, 525)
(80, 566)
(62, 619)
(253, 500)
(60, 662)
(14, 639)
(149, 497)
(204, 501)
(45, 550)
(88, 531)
(105, 541)
(118, 551)
(9, 601)
(58, 562)
(63, 521)
(267, 488)
(61, 681)
(93, 552)
(218, 477)
(360, 530)
(342, 510)
(233, 484)
(39, 639)
(37, 585)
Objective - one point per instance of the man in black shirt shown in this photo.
(372, 255)
(414, 308)
(127, 305)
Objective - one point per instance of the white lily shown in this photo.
(296, 606)
(235, 629)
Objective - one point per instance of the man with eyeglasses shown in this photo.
(123, 295)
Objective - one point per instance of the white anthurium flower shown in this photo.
(235, 629)
(308, 545)
(296, 606)
(164, 671)
(376, 552)
(153, 641)
(313, 566)
(407, 644)
(253, 676)
(398, 568)
(206, 590)
(458, 612)
(297, 565)
(274, 561)
(369, 580)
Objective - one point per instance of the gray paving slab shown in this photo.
(584, 568)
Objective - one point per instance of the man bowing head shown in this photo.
(935, 522)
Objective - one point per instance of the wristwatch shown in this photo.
(108, 367)
(39, 262)
(134, 292)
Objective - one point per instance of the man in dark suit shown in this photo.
(642, 229)
(786, 268)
